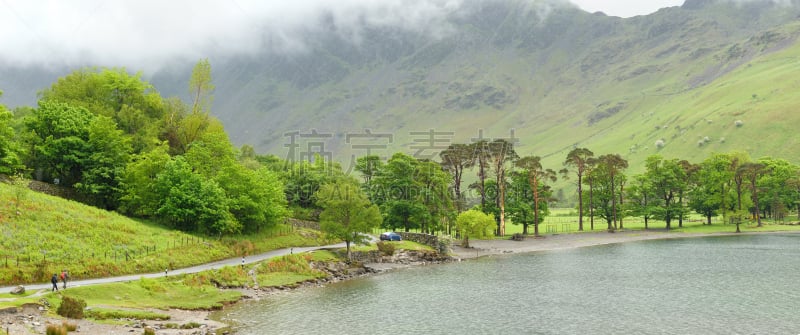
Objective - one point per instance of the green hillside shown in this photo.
(43, 234)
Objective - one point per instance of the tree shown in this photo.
(641, 199)
(140, 196)
(520, 201)
(102, 171)
(580, 160)
(474, 223)
(481, 155)
(455, 159)
(501, 153)
(778, 187)
(668, 180)
(607, 177)
(714, 182)
(751, 172)
(59, 142)
(190, 202)
(133, 104)
(368, 166)
(255, 197)
(200, 87)
(434, 195)
(537, 176)
(397, 192)
(10, 162)
(347, 213)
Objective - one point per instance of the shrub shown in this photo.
(149, 331)
(385, 248)
(700, 143)
(71, 307)
(738, 123)
(190, 325)
(69, 326)
(660, 144)
(55, 330)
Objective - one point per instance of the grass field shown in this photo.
(564, 220)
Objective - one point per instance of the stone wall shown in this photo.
(441, 245)
(313, 225)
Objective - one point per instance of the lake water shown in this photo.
(718, 285)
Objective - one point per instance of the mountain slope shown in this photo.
(549, 73)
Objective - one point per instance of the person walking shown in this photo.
(242, 262)
(54, 280)
(64, 276)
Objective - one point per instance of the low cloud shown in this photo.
(146, 34)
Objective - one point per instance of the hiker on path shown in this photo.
(242, 262)
(54, 280)
(64, 277)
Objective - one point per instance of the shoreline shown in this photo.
(478, 249)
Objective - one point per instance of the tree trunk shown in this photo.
(708, 217)
(535, 188)
(580, 204)
(591, 205)
(349, 255)
(524, 229)
(613, 205)
(502, 199)
(621, 201)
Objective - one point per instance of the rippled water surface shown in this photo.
(717, 285)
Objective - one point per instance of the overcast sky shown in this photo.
(146, 34)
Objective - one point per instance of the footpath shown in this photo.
(193, 269)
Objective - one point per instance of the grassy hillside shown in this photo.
(42, 234)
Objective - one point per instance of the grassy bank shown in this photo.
(42, 234)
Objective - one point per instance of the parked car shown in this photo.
(390, 236)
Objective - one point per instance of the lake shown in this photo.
(716, 285)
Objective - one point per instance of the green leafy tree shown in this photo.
(455, 159)
(606, 178)
(347, 212)
(579, 159)
(434, 195)
(712, 194)
(642, 199)
(751, 172)
(200, 87)
(140, 195)
(255, 197)
(520, 201)
(397, 192)
(667, 179)
(501, 155)
(103, 170)
(59, 141)
(778, 194)
(368, 166)
(10, 161)
(537, 175)
(133, 104)
(482, 156)
(474, 224)
(190, 202)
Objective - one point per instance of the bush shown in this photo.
(738, 123)
(55, 330)
(149, 331)
(660, 144)
(385, 248)
(71, 307)
(69, 326)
